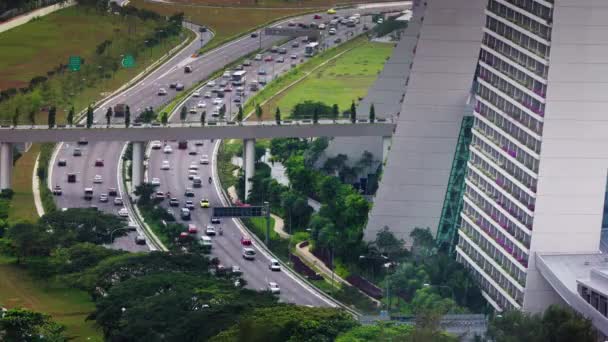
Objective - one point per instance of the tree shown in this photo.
(70, 117)
(127, 117)
(407, 279)
(258, 112)
(164, 118)
(17, 325)
(372, 113)
(89, 117)
(239, 116)
(555, 324)
(353, 112)
(109, 116)
(222, 112)
(81, 225)
(52, 116)
(277, 116)
(315, 115)
(32, 117)
(15, 117)
(423, 244)
(379, 332)
(203, 117)
(29, 240)
(335, 111)
(183, 114)
(144, 193)
(388, 244)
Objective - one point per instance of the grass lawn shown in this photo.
(340, 81)
(39, 46)
(67, 306)
(22, 206)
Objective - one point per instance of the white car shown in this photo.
(217, 101)
(201, 104)
(192, 173)
(157, 145)
(208, 95)
(98, 179)
(123, 212)
(162, 91)
(258, 57)
(274, 288)
(274, 265)
(211, 84)
(196, 94)
(204, 159)
(192, 110)
(227, 74)
(210, 230)
(294, 56)
(193, 167)
(199, 143)
(167, 149)
(165, 165)
(155, 181)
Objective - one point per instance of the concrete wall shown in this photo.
(417, 171)
(574, 155)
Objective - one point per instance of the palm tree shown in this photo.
(277, 116)
(353, 112)
(258, 112)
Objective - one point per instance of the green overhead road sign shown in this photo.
(238, 211)
(128, 61)
(74, 63)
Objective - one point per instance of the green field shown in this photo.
(39, 46)
(67, 306)
(340, 81)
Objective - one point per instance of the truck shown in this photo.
(311, 49)
(239, 77)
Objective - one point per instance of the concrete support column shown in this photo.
(137, 165)
(386, 146)
(249, 162)
(6, 165)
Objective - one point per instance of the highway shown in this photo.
(145, 94)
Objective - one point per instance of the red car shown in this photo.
(268, 59)
(192, 229)
(99, 162)
(245, 241)
(317, 17)
(184, 235)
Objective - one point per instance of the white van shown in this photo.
(206, 241)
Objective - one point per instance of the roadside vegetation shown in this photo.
(321, 4)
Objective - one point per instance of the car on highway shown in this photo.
(261, 71)
(189, 204)
(236, 270)
(332, 31)
(155, 181)
(227, 75)
(189, 192)
(184, 213)
(210, 230)
(204, 159)
(98, 179)
(193, 166)
(196, 94)
(253, 35)
(245, 240)
(192, 229)
(192, 152)
(82, 141)
(208, 95)
(295, 44)
(123, 212)
(140, 240)
(201, 104)
(57, 190)
(62, 162)
(71, 178)
(282, 51)
(77, 152)
(179, 86)
(237, 99)
(204, 203)
(112, 192)
(206, 242)
(217, 101)
(174, 202)
(280, 59)
(162, 92)
(322, 26)
(338, 40)
(274, 265)
(192, 110)
(156, 145)
(103, 198)
(293, 56)
(248, 253)
(192, 174)
(331, 11)
(165, 165)
(184, 236)
(216, 220)
(268, 58)
(274, 49)
(291, 24)
(99, 162)
(197, 182)
(167, 149)
(247, 62)
(159, 195)
(274, 288)
(118, 201)
(211, 84)
(188, 69)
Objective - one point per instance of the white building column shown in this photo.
(6, 165)
(137, 165)
(386, 146)
(249, 163)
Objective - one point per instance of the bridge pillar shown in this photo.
(386, 146)
(6, 165)
(249, 163)
(137, 165)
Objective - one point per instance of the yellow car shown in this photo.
(331, 11)
(204, 203)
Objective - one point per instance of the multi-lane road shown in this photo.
(144, 94)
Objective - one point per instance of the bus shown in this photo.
(239, 77)
(311, 49)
